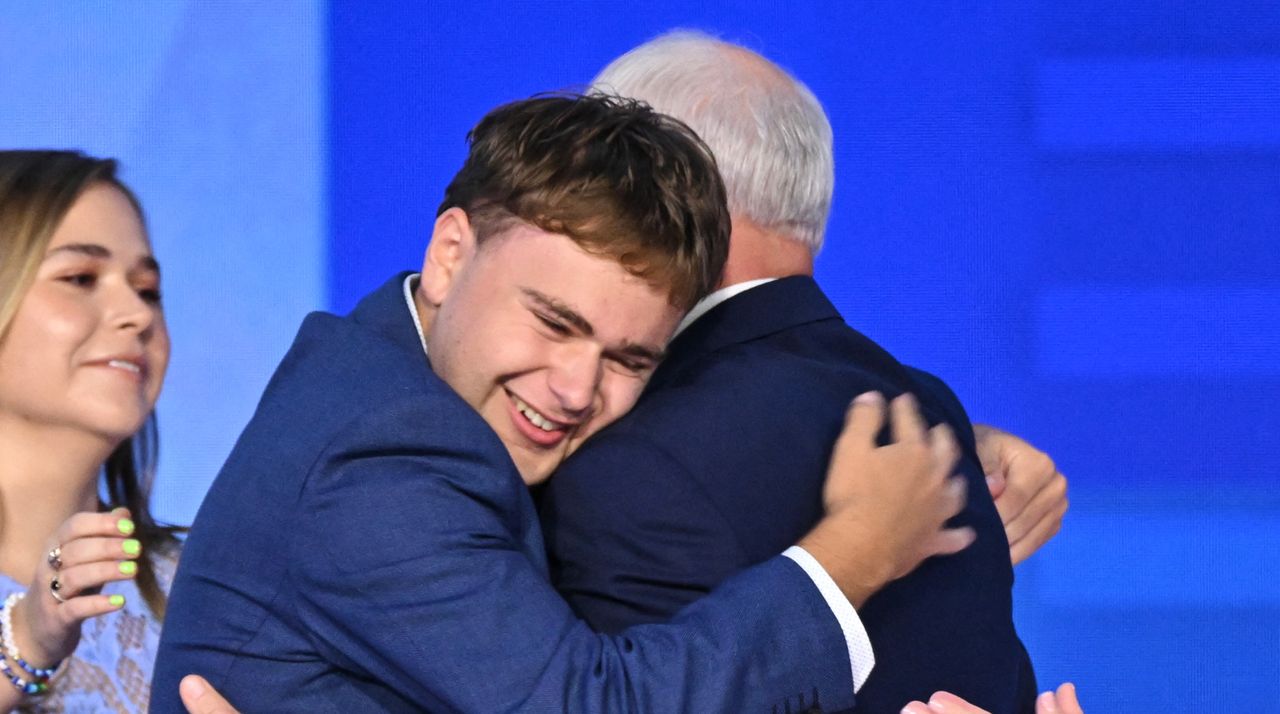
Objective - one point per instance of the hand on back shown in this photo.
(887, 506)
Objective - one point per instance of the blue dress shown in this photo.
(110, 671)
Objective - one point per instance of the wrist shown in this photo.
(26, 677)
(853, 563)
(19, 638)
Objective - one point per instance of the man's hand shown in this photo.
(887, 506)
(1030, 493)
(200, 698)
(1062, 701)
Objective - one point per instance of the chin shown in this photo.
(534, 473)
(117, 427)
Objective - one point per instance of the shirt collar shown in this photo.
(411, 284)
(705, 304)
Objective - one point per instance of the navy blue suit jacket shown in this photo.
(369, 546)
(722, 462)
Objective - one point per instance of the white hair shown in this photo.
(767, 130)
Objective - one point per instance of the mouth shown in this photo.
(535, 425)
(132, 366)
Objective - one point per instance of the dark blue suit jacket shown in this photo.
(369, 546)
(722, 463)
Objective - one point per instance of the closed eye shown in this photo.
(633, 366)
(554, 325)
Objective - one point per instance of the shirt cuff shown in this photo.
(861, 658)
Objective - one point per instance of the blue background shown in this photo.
(1070, 211)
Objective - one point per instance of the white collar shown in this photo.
(411, 284)
(705, 304)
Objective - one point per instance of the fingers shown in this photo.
(996, 484)
(908, 425)
(1040, 534)
(1045, 502)
(956, 494)
(953, 540)
(864, 419)
(96, 551)
(85, 524)
(78, 609)
(943, 703)
(1048, 504)
(1065, 700)
(92, 550)
(91, 576)
(200, 698)
(1027, 473)
(946, 453)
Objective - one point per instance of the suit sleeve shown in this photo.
(632, 536)
(408, 570)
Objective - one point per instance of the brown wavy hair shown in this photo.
(37, 189)
(616, 177)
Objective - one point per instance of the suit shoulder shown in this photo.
(943, 395)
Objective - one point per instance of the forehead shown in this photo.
(618, 305)
(103, 215)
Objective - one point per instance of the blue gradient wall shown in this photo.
(215, 110)
(1069, 211)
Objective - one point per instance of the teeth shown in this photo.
(123, 364)
(534, 417)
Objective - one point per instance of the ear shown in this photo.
(453, 245)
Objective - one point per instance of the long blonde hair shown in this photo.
(37, 189)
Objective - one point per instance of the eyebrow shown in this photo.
(561, 310)
(569, 315)
(93, 250)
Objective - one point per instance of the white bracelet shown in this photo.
(11, 647)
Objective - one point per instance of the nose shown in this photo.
(128, 311)
(574, 379)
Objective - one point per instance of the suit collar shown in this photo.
(759, 312)
(384, 311)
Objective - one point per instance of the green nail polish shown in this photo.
(132, 547)
(125, 525)
(129, 567)
(117, 601)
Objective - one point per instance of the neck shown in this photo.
(46, 475)
(756, 252)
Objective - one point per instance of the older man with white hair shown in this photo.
(721, 462)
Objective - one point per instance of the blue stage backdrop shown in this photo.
(1067, 210)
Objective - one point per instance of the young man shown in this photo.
(371, 544)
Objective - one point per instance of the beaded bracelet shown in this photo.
(33, 687)
(39, 676)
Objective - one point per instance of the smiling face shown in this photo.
(87, 348)
(548, 342)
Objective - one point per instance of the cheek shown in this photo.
(618, 394)
(158, 354)
(45, 331)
